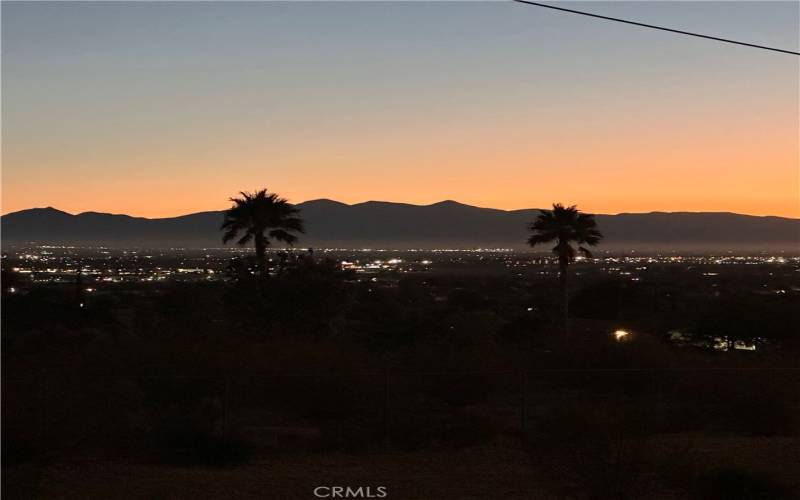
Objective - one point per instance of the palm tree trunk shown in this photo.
(562, 278)
(261, 255)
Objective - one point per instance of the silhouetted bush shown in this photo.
(528, 327)
(468, 299)
(749, 403)
(761, 413)
(18, 451)
(456, 430)
(304, 296)
(321, 398)
(732, 483)
(461, 390)
(467, 429)
(353, 434)
(180, 446)
(594, 451)
(189, 436)
(599, 301)
(747, 315)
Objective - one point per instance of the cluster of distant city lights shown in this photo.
(61, 263)
(99, 266)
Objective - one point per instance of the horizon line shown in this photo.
(442, 202)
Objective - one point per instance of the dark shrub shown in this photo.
(467, 429)
(730, 483)
(457, 430)
(178, 441)
(461, 390)
(350, 435)
(193, 434)
(17, 451)
(591, 451)
(322, 398)
(600, 301)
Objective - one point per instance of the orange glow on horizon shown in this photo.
(742, 171)
(703, 157)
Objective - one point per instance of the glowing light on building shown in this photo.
(621, 335)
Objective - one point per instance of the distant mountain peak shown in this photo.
(92, 212)
(448, 203)
(383, 224)
(42, 211)
(100, 215)
(378, 203)
(323, 202)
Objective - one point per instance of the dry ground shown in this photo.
(502, 470)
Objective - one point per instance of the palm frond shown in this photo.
(245, 239)
(258, 213)
(284, 236)
(539, 238)
(565, 225)
(229, 235)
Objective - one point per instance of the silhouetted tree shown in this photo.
(565, 226)
(79, 292)
(261, 216)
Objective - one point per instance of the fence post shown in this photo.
(523, 413)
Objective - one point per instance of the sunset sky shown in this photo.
(165, 109)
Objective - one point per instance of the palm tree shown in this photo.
(565, 226)
(261, 216)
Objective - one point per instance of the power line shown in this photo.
(726, 40)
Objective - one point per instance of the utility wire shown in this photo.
(726, 40)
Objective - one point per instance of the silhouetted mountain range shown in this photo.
(377, 224)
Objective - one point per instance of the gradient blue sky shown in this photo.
(160, 109)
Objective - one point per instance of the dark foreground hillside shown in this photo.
(434, 385)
